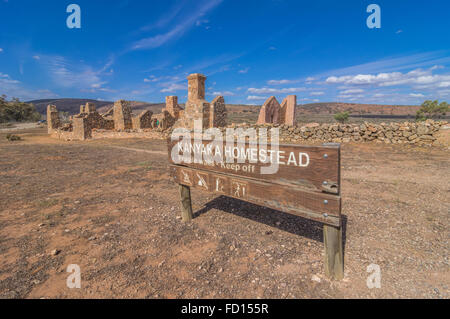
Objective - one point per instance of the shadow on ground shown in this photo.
(274, 218)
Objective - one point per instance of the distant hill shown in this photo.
(357, 109)
(72, 106)
(335, 107)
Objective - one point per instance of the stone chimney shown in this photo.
(196, 87)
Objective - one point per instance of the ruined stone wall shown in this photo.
(274, 113)
(81, 128)
(218, 113)
(53, 121)
(287, 110)
(143, 120)
(122, 116)
(172, 107)
(87, 120)
(270, 112)
(165, 120)
(421, 133)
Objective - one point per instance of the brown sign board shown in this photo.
(306, 182)
(324, 208)
(316, 168)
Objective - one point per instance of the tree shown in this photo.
(341, 117)
(16, 111)
(432, 109)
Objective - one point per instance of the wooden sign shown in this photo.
(313, 168)
(300, 180)
(320, 207)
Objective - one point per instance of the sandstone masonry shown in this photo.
(420, 133)
(197, 108)
(274, 113)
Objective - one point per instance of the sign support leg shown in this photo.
(334, 257)
(186, 205)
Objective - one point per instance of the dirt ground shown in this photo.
(110, 207)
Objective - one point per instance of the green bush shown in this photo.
(12, 137)
(432, 109)
(16, 111)
(341, 117)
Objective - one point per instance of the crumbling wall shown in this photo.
(87, 120)
(274, 113)
(218, 113)
(143, 120)
(164, 120)
(84, 123)
(287, 110)
(81, 128)
(270, 112)
(172, 107)
(122, 116)
(53, 121)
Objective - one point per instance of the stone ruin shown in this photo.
(52, 118)
(211, 115)
(274, 113)
(120, 118)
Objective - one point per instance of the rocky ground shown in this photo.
(110, 207)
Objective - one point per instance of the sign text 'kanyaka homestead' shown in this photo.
(297, 179)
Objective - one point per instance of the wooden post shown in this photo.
(334, 256)
(186, 205)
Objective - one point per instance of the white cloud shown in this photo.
(306, 99)
(444, 84)
(319, 93)
(244, 71)
(224, 93)
(279, 82)
(352, 91)
(255, 98)
(174, 87)
(179, 29)
(198, 23)
(427, 59)
(350, 96)
(14, 88)
(153, 78)
(36, 57)
(417, 78)
(1, 50)
(444, 93)
(266, 90)
(68, 74)
(416, 95)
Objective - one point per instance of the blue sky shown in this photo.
(319, 50)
